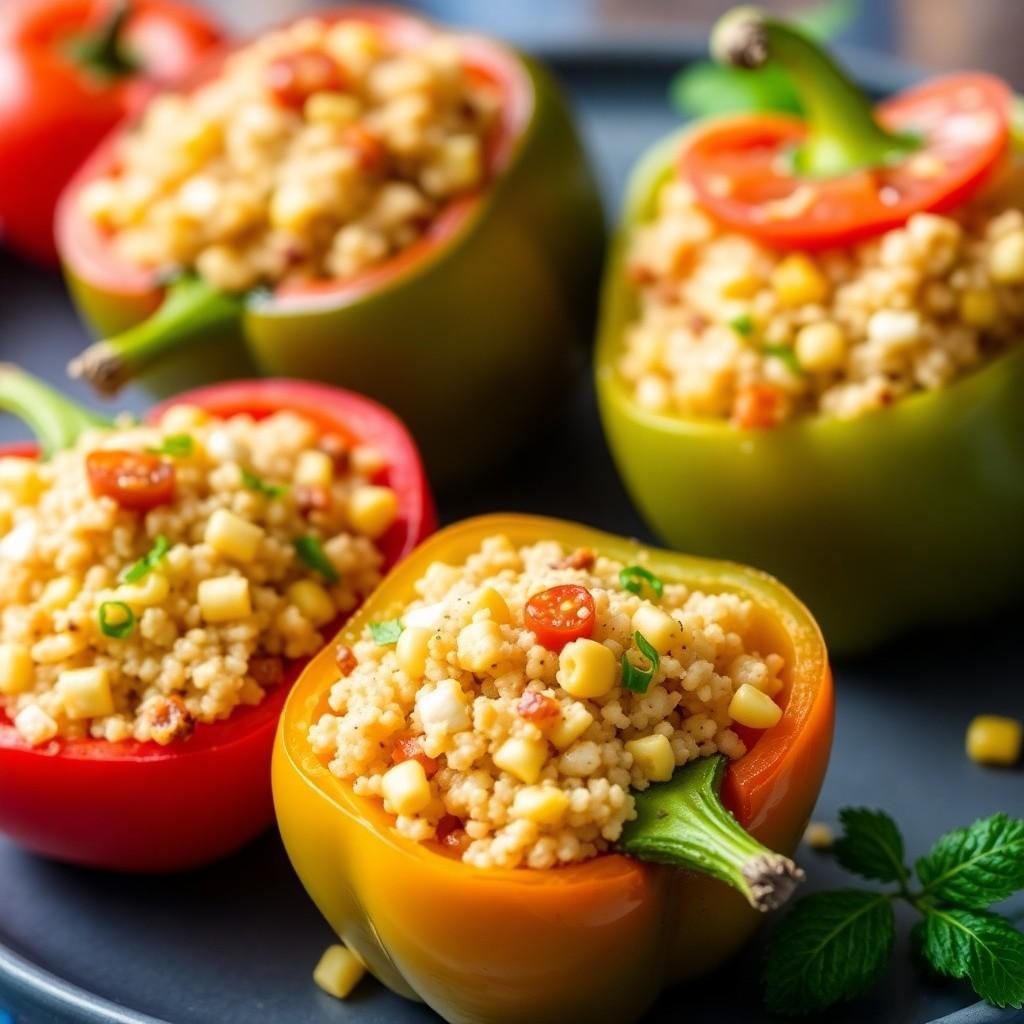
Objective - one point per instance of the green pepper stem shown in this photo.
(192, 310)
(682, 822)
(842, 133)
(103, 51)
(56, 421)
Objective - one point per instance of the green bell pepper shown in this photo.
(496, 301)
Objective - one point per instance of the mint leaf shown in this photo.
(831, 947)
(978, 945)
(871, 845)
(387, 632)
(978, 865)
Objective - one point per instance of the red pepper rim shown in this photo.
(335, 410)
(88, 253)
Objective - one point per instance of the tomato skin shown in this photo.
(47, 96)
(758, 407)
(135, 480)
(293, 78)
(559, 615)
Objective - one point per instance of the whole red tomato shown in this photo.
(69, 71)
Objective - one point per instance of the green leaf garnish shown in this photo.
(387, 632)
(252, 482)
(786, 355)
(638, 679)
(743, 325)
(118, 630)
(633, 578)
(871, 845)
(148, 562)
(178, 446)
(311, 551)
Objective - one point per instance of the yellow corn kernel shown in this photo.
(232, 536)
(1006, 259)
(224, 598)
(198, 138)
(85, 692)
(575, 721)
(458, 166)
(292, 207)
(16, 675)
(821, 347)
(488, 598)
(544, 805)
(586, 668)
(181, 418)
(338, 972)
(659, 628)
(59, 593)
(523, 758)
(412, 650)
(405, 788)
(20, 479)
(312, 600)
(443, 708)
(653, 756)
(818, 836)
(314, 469)
(993, 739)
(366, 460)
(798, 282)
(754, 709)
(334, 108)
(151, 590)
(740, 284)
(979, 307)
(371, 509)
(479, 646)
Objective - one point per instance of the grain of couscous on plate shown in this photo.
(136, 614)
(512, 708)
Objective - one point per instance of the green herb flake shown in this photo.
(633, 578)
(638, 679)
(386, 633)
(252, 482)
(311, 551)
(743, 325)
(785, 355)
(178, 446)
(148, 562)
(124, 616)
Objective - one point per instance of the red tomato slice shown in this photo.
(741, 173)
(560, 615)
(137, 480)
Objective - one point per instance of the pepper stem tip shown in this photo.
(101, 366)
(771, 880)
(739, 38)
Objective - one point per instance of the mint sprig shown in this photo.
(834, 946)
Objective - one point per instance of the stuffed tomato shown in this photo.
(809, 345)
(358, 198)
(165, 584)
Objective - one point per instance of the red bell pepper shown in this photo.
(145, 807)
(70, 71)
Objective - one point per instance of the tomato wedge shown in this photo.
(136, 480)
(560, 615)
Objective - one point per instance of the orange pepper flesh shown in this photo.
(595, 941)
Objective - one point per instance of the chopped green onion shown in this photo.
(387, 632)
(178, 446)
(633, 578)
(118, 630)
(743, 325)
(637, 679)
(785, 354)
(252, 482)
(311, 551)
(148, 562)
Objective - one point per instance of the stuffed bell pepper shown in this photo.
(810, 354)
(490, 783)
(358, 198)
(164, 583)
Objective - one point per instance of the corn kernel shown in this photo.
(20, 479)
(523, 758)
(821, 347)
(224, 598)
(59, 593)
(1006, 259)
(292, 207)
(312, 600)
(740, 284)
(586, 668)
(314, 469)
(544, 805)
(181, 418)
(798, 282)
(85, 692)
(818, 836)
(371, 510)
(366, 460)
(754, 709)
(232, 536)
(443, 707)
(405, 787)
(575, 721)
(479, 646)
(659, 628)
(16, 673)
(653, 756)
(488, 598)
(333, 108)
(338, 972)
(412, 649)
(993, 739)
(979, 307)
(151, 590)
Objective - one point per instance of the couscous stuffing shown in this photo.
(730, 329)
(319, 151)
(494, 716)
(136, 612)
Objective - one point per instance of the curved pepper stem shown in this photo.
(103, 51)
(56, 421)
(682, 822)
(842, 133)
(193, 309)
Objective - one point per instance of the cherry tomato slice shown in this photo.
(560, 615)
(740, 170)
(137, 480)
(758, 407)
(294, 78)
